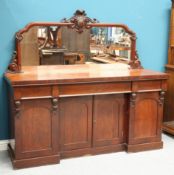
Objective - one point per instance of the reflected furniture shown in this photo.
(168, 125)
(60, 111)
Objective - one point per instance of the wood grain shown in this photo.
(61, 112)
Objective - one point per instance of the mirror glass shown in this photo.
(54, 45)
(110, 44)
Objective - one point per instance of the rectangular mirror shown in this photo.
(54, 45)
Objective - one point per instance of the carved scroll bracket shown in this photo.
(161, 98)
(133, 99)
(80, 21)
(17, 108)
(54, 105)
(13, 66)
(136, 63)
(133, 36)
(19, 36)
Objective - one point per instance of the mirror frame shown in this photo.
(78, 22)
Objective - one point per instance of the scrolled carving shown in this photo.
(80, 21)
(13, 66)
(19, 36)
(133, 99)
(136, 63)
(17, 108)
(133, 36)
(161, 98)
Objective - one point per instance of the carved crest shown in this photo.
(80, 21)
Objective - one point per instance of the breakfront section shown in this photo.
(146, 114)
(34, 127)
(92, 124)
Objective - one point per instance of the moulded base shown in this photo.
(30, 162)
(144, 147)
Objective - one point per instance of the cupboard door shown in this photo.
(75, 122)
(35, 129)
(109, 126)
(146, 112)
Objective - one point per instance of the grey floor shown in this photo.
(159, 162)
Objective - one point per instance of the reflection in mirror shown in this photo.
(51, 51)
(53, 45)
(29, 48)
(110, 44)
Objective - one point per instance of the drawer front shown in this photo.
(35, 92)
(94, 88)
(143, 86)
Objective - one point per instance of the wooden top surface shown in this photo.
(80, 73)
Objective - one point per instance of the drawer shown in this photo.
(32, 92)
(146, 86)
(94, 88)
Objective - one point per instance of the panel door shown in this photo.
(145, 118)
(75, 122)
(36, 129)
(110, 117)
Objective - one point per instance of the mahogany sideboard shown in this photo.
(67, 111)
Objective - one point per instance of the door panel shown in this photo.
(109, 119)
(75, 122)
(145, 119)
(35, 129)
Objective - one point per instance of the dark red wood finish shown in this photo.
(68, 111)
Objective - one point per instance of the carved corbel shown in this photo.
(80, 21)
(17, 108)
(161, 98)
(54, 105)
(133, 99)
